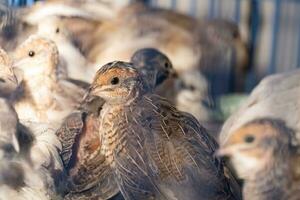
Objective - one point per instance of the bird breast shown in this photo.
(112, 131)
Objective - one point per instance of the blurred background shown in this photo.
(270, 27)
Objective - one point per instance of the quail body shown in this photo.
(81, 144)
(156, 151)
(264, 156)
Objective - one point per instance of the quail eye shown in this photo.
(31, 53)
(191, 87)
(249, 139)
(235, 34)
(57, 30)
(167, 65)
(114, 81)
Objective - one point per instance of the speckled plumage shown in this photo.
(81, 142)
(156, 151)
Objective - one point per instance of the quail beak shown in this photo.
(15, 143)
(95, 90)
(224, 152)
(18, 75)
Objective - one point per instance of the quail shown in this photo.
(155, 151)
(43, 96)
(276, 96)
(76, 64)
(264, 156)
(79, 134)
(20, 175)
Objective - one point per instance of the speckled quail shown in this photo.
(155, 151)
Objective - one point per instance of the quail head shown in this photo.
(154, 150)
(9, 77)
(263, 155)
(37, 57)
(155, 65)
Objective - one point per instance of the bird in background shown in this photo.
(263, 154)
(156, 151)
(276, 96)
(80, 139)
(77, 66)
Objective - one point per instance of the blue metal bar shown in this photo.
(29, 2)
(193, 7)
(298, 53)
(254, 27)
(237, 15)
(211, 12)
(173, 4)
(276, 25)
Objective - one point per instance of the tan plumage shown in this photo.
(44, 97)
(77, 66)
(276, 96)
(263, 154)
(156, 151)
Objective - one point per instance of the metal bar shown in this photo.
(173, 4)
(253, 35)
(193, 7)
(211, 12)
(272, 65)
(237, 15)
(298, 53)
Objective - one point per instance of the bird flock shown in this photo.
(105, 102)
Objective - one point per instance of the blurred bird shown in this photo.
(156, 151)
(20, 177)
(264, 157)
(9, 76)
(276, 96)
(212, 46)
(193, 96)
(44, 97)
(224, 55)
(154, 65)
(80, 139)
(76, 64)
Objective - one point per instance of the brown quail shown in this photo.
(88, 172)
(155, 151)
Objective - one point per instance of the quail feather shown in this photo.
(155, 151)
(263, 154)
(81, 145)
